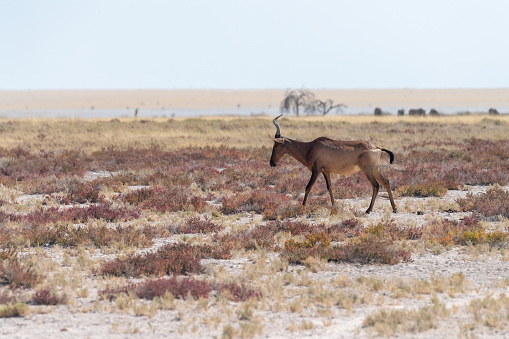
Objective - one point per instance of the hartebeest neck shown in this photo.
(299, 151)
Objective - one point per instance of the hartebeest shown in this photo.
(326, 156)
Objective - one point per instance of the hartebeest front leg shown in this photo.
(326, 175)
(314, 176)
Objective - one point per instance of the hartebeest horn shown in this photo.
(278, 132)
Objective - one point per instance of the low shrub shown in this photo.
(176, 259)
(239, 292)
(15, 274)
(197, 225)
(165, 199)
(369, 249)
(125, 236)
(256, 201)
(298, 227)
(181, 288)
(261, 236)
(495, 202)
(138, 196)
(104, 211)
(151, 264)
(467, 231)
(366, 249)
(81, 193)
(70, 235)
(45, 296)
(315, 245)
(270, 205)
(150, 289)
(390, 229)
(6, 297)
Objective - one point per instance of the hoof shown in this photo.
(395, 210)
(368, 211)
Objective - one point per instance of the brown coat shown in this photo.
(326, 156)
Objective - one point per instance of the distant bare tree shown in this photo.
(323, 107)
(295, 100)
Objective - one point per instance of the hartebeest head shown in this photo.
(279, 148)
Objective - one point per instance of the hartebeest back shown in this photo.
(326, 156)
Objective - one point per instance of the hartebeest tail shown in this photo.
(326, 156)
(391, 155)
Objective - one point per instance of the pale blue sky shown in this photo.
(101, 44)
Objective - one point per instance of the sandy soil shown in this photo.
(263, 98)
(484, 273)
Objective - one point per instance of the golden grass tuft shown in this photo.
(14, 310)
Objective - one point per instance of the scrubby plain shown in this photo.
(179, 227)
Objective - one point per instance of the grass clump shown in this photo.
(14, 310)
(491, 311)
(428, 189)
(389, 322)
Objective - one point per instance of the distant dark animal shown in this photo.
(326, 156)
(416, 111)
(493, 111)
(401, 111)
(378, 111)
(433, 112)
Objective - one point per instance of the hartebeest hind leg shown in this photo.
(368, 172)
(314, 176)
(326, 175)
(387, 186)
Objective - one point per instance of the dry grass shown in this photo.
(15, 310)
(242, 132)
(389, 322)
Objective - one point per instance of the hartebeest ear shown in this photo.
(281, 140)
